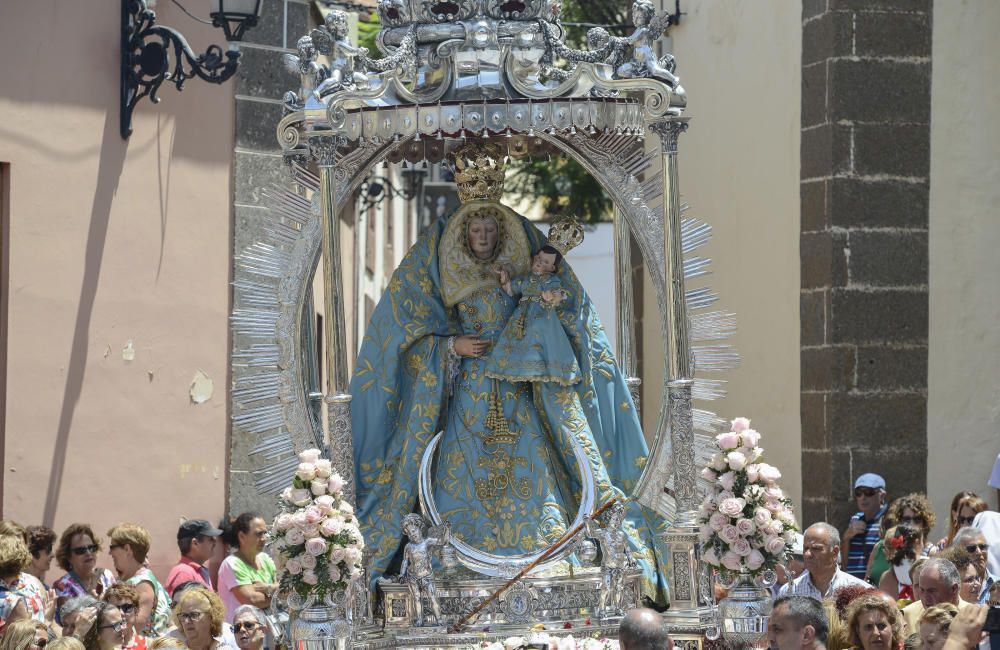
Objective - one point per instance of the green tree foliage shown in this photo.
(561, 184)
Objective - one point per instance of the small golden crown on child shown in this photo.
(565, 235)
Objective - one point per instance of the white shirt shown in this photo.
(803, 585)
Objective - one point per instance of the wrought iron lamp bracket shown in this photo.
(153, 54)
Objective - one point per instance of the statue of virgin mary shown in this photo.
(514, 460)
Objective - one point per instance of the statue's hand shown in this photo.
(470, 345)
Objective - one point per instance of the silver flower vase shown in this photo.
(745, 612)
(320, 627)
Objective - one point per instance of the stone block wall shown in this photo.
(865, 165)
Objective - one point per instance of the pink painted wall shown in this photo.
(112, 240)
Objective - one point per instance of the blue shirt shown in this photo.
(862, 545)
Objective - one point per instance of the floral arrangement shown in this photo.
(746, 521)
(552, 641)
(317, 540)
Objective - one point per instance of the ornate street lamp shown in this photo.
(147, 59)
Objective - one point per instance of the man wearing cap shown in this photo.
(863, 532)
(196, 540)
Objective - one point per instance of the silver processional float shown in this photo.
(455, 72)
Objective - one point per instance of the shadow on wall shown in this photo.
(109, 173)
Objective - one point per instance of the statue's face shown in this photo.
(482, 237)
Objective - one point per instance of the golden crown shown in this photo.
(479, 171)
(565, 235)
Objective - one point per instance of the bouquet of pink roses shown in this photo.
(746, 521)
(317, 540)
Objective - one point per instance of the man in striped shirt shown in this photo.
(821, 554)
(863, 532)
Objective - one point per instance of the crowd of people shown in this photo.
(93, 608)
(881, 584)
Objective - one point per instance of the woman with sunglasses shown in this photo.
(124, 596)
(109, 629)
(250, 627)
(964, 508)
(77, 555)
(199, 615)
(129, 546)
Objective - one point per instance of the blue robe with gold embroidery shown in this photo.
(507, 490)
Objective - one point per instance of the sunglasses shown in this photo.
(83, 550)
(190, 617)
(865, 492)
(117, 627)
(249, 626)
(965, 521)
(972, 548)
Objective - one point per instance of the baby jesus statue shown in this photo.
(533, 345)
(416, 570)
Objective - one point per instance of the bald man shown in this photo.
(643, 629)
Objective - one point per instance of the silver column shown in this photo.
(692, 614)
(337, 399)
(625, 306)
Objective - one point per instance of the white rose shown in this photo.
(306, 472)
(323, 468)
(718, 520)
(769, 473)
(736, 460)
(719, 462)
(309, 456)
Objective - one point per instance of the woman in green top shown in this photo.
(129, 546)
(246, 577)
(878, 563)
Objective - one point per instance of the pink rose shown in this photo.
(331, 526)
(336, 555)
(732, 507)
(722, 495)
(731, 561)
(313, 515)
(708, 473)
(740, 425)
(745, 527)
(769, 473)
(282, 522)
(727, 480)
(741, 547)
(311, 530)
(308, 561)
(728, 440)
(773, 505)
(335, 484)
(736, 460)
(324, 503)
(301, 496)
(776, 527)
(306, 472)
(774, 545)
(729, 534)
(718, 520)
(316, 546)
(309, 578)
(755, 560)
(295, 536)
(774, 492)
(293, 566)
(749, 437)
(334, 573)
(761, 516)
(752, 472)
(309, 456)
(711, 557)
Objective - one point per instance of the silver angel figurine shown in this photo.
(310, 72)
(649, 26)
(332, 40)
(416, 570)
(615, 558)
